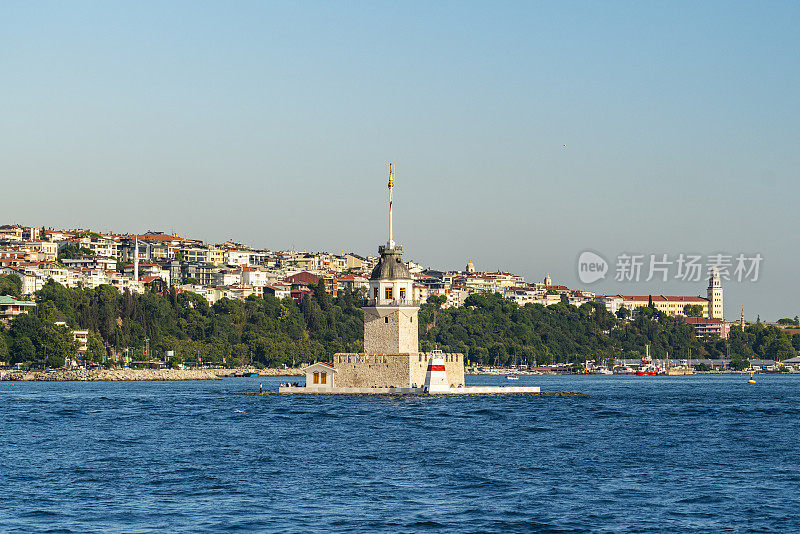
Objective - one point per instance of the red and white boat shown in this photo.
(647, 368)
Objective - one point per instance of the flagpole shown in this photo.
(391, 186)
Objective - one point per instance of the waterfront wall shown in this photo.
(109, 375)
(121, 375)
(359, 370)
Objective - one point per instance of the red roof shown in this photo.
(702, 320)
(303, 278)
(663, 298)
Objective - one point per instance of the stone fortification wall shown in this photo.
(392, 370)
(368, 370)
(453, 366)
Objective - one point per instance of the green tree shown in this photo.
(780, 348)
(23, 351)
(10, 285)
(3, 348)
(191, 280)
(623, 312)
(436, 301)
(122, 264)
(95, 350)
(739, 363)
(693, 310)
(72, 251)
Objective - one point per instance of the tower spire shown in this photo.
(390, 244)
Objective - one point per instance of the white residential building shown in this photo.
(237, 257)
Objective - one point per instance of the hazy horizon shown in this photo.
(522, 134)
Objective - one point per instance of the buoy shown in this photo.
(751, 381)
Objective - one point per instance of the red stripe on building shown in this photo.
(436, 368)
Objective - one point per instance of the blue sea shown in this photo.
(636, 454)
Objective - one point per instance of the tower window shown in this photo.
(402, 293)
(388, 293)
(376, 293)
(386, 320)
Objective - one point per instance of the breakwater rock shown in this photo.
(269, 371)
(109, 375)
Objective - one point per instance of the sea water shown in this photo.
(706, 453)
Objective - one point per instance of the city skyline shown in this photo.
(522, 135)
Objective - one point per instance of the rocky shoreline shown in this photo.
(122, 375)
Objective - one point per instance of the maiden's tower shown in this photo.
(391, 361)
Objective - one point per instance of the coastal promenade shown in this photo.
(122, 375)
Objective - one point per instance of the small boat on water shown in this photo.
(512, 377)
(647, 368)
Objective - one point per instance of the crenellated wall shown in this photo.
(393, 370)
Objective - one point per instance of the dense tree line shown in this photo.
(490, 329)
(262, 331)
(270, 332)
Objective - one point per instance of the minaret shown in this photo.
(741, 321)
(390, 314)
(136, 259)
(714, 295)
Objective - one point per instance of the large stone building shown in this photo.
(710, 307)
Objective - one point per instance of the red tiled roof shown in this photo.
(702, 320)
(303, 278)
(663, 298)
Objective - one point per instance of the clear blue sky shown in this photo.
(272, 123)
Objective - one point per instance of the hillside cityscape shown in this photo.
(100, 288)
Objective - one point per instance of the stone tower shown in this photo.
(390, 317)
(714, 295)
(390, 314)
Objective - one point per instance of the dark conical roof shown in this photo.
(390, 266)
